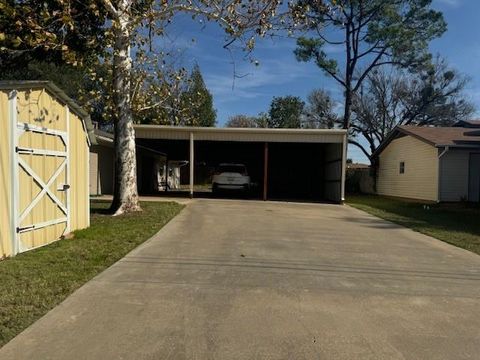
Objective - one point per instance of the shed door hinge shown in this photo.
(23, 150)
(25, 228)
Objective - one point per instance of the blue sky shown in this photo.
(279, 74)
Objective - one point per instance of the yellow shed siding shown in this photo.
(420, 180)
(41, 110)
(5, 176)
(79, 175)
(38, 107)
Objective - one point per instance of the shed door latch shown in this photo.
(64, 187)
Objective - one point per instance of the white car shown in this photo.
(231, 177)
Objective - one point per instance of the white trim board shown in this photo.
(14, 178)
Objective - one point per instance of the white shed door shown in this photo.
(41, 166)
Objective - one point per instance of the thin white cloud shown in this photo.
(272, 72)
(451, 3)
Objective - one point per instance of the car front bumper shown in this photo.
(231, 186)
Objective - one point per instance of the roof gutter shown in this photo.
(445, 150)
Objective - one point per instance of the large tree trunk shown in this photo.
(125, 194)
(348, 108)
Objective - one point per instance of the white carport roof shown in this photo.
(240, 134)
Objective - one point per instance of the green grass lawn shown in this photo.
(34, 282)
(456, 224)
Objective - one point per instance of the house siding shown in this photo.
(454, 175)
(102, 170)
(420, 180)
(95, 188)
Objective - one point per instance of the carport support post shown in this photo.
(265, 171)
(344, 170)
(192, 158)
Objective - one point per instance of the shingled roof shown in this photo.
(435, 136)
(441, 136)
(468, 123)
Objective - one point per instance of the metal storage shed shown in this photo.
(44, 145)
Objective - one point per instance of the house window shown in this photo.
(402, 167)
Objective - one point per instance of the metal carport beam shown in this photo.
(192, 159)
(265, 171)
(344, 167)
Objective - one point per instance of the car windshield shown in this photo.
(232, 169)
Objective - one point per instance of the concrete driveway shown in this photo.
(253, 280)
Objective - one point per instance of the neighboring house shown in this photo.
(430, 163)
(102, 164)
(151, 166)
(474, 124)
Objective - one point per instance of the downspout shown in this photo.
(445, 150)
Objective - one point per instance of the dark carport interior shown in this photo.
(295, 171)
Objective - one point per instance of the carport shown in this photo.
(284, 164)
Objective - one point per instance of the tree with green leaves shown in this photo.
(130, 25)
(198, 101)
(128, 18)
(431, 97)
(158, 96)
(372, 33)
(69, 78)
(45, 40)
(52, 31)
(262, 119)
(285, 112)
